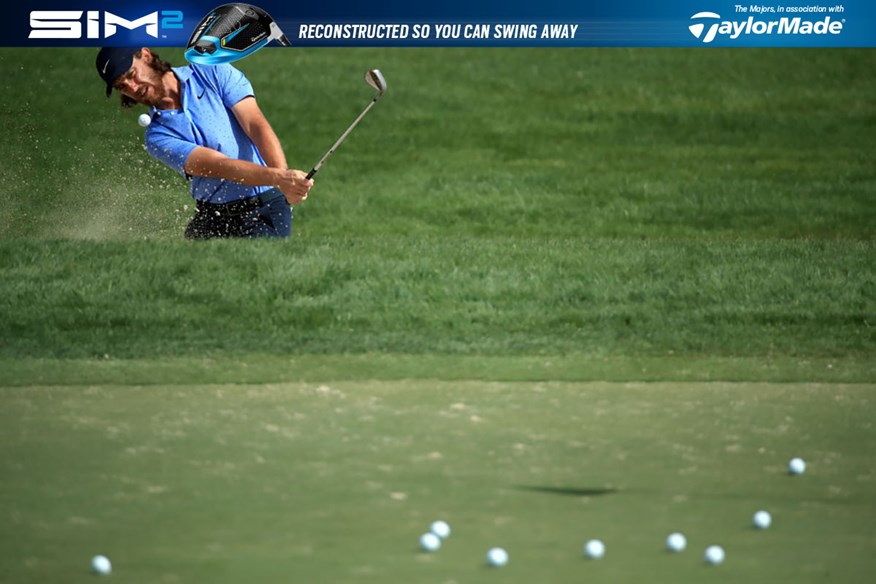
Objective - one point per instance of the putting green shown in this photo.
(336, 481)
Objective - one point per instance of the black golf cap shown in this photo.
(112, 62)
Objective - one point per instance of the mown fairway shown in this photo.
(545, 295)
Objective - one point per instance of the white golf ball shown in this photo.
(762, 519)
(101, 565)
(796, 466)
(594, 549)
(714, 554)
(144, 120)
(497, 557)
(441, 529)
(676, 542)
(430, 542)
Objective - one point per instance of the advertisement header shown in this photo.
(627, 23)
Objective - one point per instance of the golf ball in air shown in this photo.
(796, 466)
(594, 549)
(101, 565)
(714, 554)
(441, 529)
(762, 520)
(676, 542)
(430, 542)
(497, 557)
(144, 120)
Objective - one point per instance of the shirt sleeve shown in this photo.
(169, 148)
(232, 84)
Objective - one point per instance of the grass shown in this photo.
(496, 296)
(601, 143)
(545, 295)
(625, 202)
(254, 368)
(335, 482)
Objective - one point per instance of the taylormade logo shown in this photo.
(708, 25)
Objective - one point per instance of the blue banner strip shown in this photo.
(487, 23)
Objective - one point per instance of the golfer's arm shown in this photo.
(204, 161)
(254, 123)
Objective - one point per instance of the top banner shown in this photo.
(461, 23)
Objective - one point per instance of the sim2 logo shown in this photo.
(67, 24)
(781, 26)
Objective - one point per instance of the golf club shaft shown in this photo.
(341, 139)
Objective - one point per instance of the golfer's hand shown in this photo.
(295, 185)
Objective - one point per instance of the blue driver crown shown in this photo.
(230, 32)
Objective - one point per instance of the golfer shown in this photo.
(207, 126)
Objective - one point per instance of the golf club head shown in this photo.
(231, 32)
(375, 79)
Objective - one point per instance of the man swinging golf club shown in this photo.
(207, 126)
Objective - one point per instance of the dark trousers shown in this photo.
(267, 215)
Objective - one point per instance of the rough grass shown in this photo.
(463, 296)
(599, 143)
(628, 202)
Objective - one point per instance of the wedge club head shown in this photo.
(375, 79)
(231, 32)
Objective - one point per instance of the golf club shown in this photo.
(231, 32)
(375, 79)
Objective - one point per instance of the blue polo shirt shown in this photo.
(207, 93)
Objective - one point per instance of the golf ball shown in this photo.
(144, 120)
(441, 529)
(762, 520)
(714, 554)
(101, 565)
(497, 557)
(676, 542)
(594, 549)
(430, 542)
(796, 466)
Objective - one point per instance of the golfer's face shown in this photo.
(141, 83)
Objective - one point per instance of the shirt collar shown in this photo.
(182, 73)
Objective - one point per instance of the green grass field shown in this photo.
(335, 482)
(544, 295)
